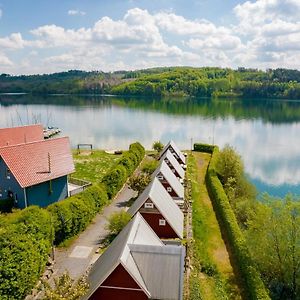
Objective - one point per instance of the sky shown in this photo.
(42, 36)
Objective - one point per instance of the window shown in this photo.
(8, 173)
(169, 189)
(0, 192)
(160, 177)
(173, 170)
(162, 222)
(148, 205)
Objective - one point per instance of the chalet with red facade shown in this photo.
(137, 266)
(170, 182)
(171, 146)
(160, 211)
(173, 164)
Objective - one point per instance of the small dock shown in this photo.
(50, 132)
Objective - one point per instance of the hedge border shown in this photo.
(255, 288)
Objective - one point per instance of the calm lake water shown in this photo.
(265, 133)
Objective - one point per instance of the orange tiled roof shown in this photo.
(40, 161)
(19, 135)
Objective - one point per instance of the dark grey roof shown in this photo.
(163, 202)
(168, 155)
(170, 177)
(162, 269)
(176, 149)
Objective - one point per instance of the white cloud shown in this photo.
(76, 12)
(5, 61)
(267, 34)
(1, 13)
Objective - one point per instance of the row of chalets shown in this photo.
(146, 260)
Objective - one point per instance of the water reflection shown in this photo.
(264, 132)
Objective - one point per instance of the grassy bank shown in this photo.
(92, 167)
(212, 276)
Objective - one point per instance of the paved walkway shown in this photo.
(77, 258)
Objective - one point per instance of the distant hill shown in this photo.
(179, 81)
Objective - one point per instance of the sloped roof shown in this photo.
(170, 177)
(168, 155)
(163, 202)
(29, 163)
(137, 231)
(176, 149)
(20, 135)
(161, 268)
(126, 249)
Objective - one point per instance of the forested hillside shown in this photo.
(179, 81)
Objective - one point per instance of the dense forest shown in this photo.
(157, 82)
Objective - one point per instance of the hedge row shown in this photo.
(253, 283)
(25, 241)
(118, 175)
(203, 148)
(71, 216)
(26, 236)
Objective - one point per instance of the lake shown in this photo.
(265, 132)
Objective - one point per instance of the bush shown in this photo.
(150, 167)
(203, 148)
(254, 285)
(117, 221)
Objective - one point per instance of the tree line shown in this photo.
(158, 82)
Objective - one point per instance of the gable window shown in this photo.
(162, 222)
(8, 173)
(160, 177)
(169, 189)
(148, 205)
(173, 170)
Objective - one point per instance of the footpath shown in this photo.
(77, 258)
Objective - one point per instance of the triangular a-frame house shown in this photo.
(173, 164)
(137, 266)
(160, 211)
(172, 147)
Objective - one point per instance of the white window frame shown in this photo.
(160, 177)
(8, 173)
(162, 222)
(149, 205)
(169, 189)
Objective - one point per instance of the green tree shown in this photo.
(138, 183)
(273, 238)
(65, 288)
(157, 146)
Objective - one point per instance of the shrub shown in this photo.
(150, 167)
(138, 183)
(117, 221)
(158, 146)
(254, 285)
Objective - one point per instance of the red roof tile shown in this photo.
(29, 163)
(20, 135)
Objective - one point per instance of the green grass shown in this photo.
(211, 275)
(92, 167)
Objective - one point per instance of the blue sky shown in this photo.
(38, 36)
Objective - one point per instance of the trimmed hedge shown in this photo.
(206, 148)
(254, 285)
(118, 175)
(72, 215)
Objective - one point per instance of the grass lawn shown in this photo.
(92, 167)
(212, 275)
